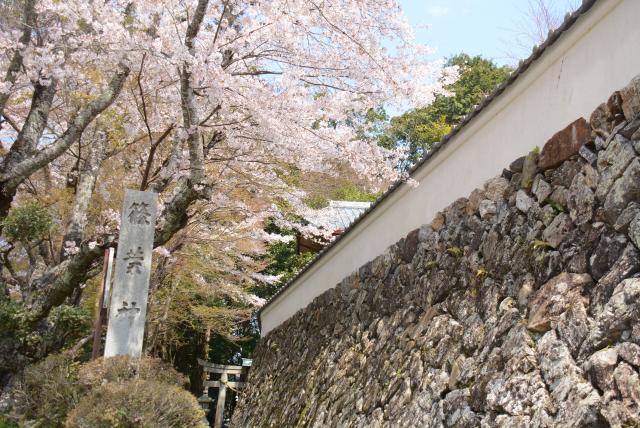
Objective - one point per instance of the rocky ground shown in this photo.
(517, 306)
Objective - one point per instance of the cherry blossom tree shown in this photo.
(201, 101)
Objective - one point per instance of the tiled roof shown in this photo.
(341, 214)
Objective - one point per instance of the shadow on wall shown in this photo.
(516, 306)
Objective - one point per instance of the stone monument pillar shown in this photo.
(128, 305)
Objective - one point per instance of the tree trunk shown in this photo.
(17, 169)
(84, 192)
(26, 143)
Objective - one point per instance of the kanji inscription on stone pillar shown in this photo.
(128, 309)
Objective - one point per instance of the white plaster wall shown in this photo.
(598, 55)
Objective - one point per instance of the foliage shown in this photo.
(123, 368)
(49, 389)
(5, 422)
(351, 192)
(478, 77)
(28, 223)
(455, 252)
(482, 272)
(283, 260)
(419, 128)
(137, 403)
(64, 327)
(316, 201)
(557, 207)
(200, 296)
(70, 323)
(190, 101)
(345, 192)
(538, 244)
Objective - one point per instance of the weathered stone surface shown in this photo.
(128, 308)
(622, 310)
(616, 413)
(588, 155)
(615, 107)
(557, 230)
(554, 298)
(591, 176)
(507, 174)
(634, 230)
(626, 217)
(408, 246)
(497, 189)
(611, 164)
(567, 384)
(628, 383)
(516, 165)
(487, 209)
(523, 201)
(509, 309)
(606, 253)
(600, 367)
(630, 130)
(627, 264)
(547, 215)
(630, 352)
(529, 170)
(474, 200)
(601, 120)
(573, 326)
(624, 190)
(563, 175)
(581, 202)
(564, 144)
(630, 95)
(541, 188)
(560, 197)
(438, 222)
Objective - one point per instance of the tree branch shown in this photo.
(28, 137)
(84, 192)
(59, 282)
(163, 176)
(152, 152)
(189, 113)
(29, 19)
(16, 174)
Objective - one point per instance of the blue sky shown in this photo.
(487, 27)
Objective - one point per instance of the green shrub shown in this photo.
(316, 202)
(28, 223)
(48, 390)
(69, 324)
(137, 403)
(21, 344)
(123, 368)
(352, 192)
(5, 422)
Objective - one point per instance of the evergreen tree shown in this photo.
(419, 128)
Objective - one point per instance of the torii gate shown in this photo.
(222, 384)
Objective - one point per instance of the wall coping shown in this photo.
(476, 119)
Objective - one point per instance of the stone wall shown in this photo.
(517, 306)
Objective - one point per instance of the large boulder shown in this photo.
(554, 298)
(564, 144)
(630, 95)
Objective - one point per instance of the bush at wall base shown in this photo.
(112, 392)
